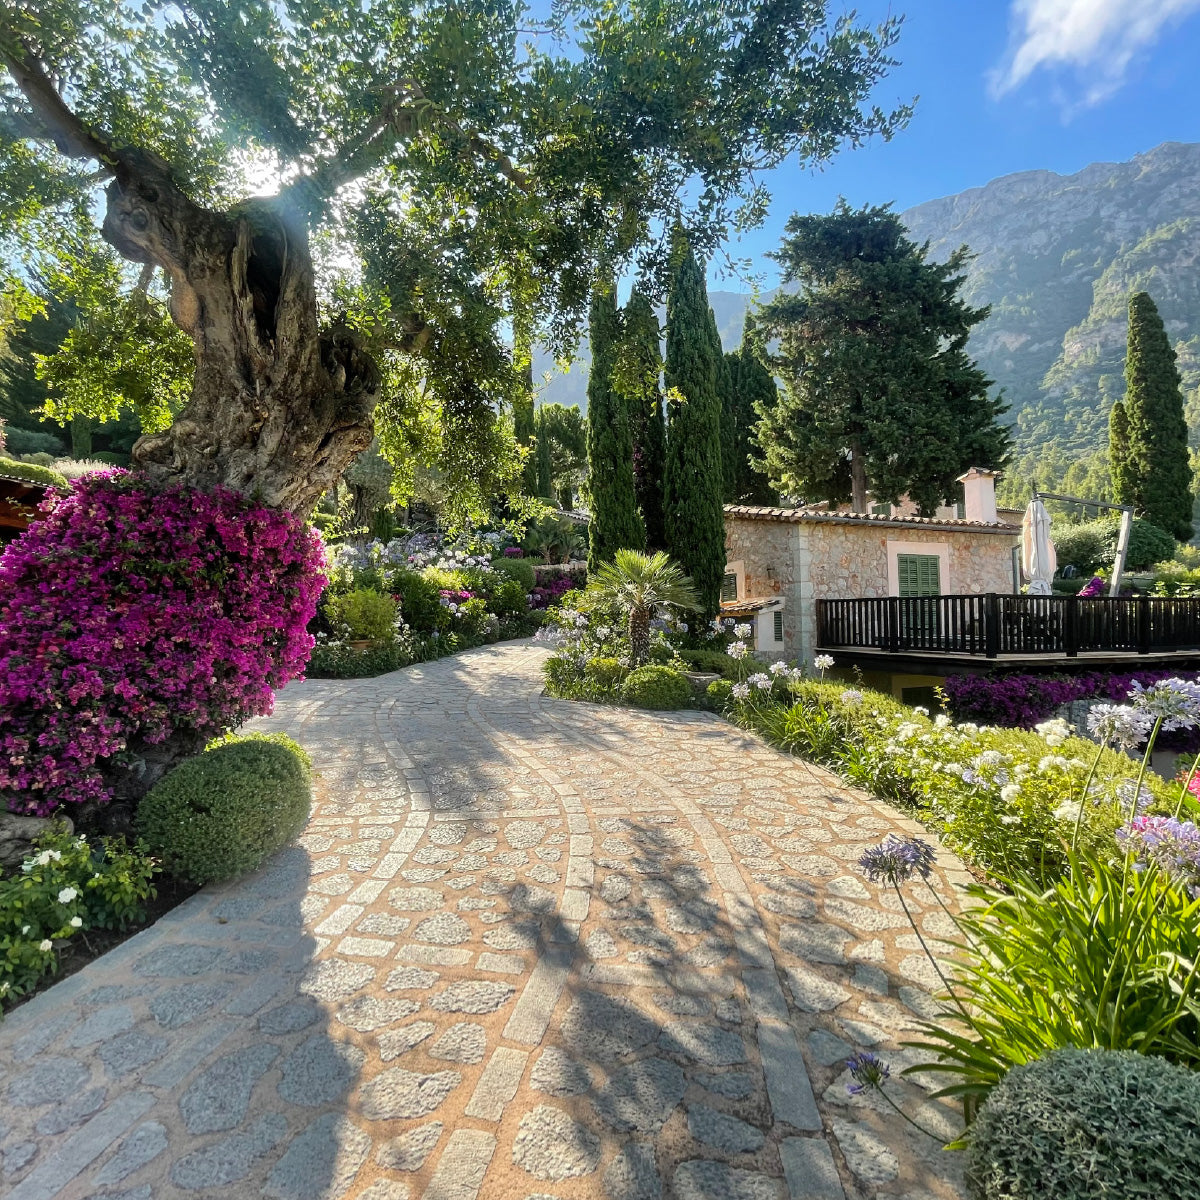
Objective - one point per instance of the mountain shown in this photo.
(1057, 256)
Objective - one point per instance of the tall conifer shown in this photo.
(749, 386)
(615, 523)
(637, 380)
(1158, 479)
(693, 493)
(545, 479)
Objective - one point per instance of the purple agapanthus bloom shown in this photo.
(1176, 702)
(896, 860)
(867, 1070)
(1120, 725)
(1168, 842)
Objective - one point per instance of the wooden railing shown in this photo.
(992, 624)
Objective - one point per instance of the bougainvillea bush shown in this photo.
(129, 614)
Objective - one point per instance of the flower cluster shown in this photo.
(1171, 844)
(896, 860)
(128, 612)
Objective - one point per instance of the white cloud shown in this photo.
(1097, 39)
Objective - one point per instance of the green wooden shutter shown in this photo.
(729, 587)
(778, 626)
(919, 574)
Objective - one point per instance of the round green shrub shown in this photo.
(519, 569)
(367, 614)
(1093, 545)
(32, 473)
(605, 674)
(719, 693)
(223, 812)
(657, 687)
(509, 599)
(1078, 1124)
(420, 600)
(661, 654)
(32, 441)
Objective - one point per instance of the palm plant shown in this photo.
(637, 585)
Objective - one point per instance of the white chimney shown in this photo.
(979, 495)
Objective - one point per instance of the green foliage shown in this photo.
(519, 569)
(1099, 957)
(694, 516)
(616, 523)
(1084, 1123)
(31, 441)
(66, 887)
(719, 694)
(420, 600)
(879, 391)
(554, 538)
(1093, 545)
(712, 660)
(563, 432)
(364, 614)
(749, 389)
(32, 473)
(1150, 468)
(222, 813)
(605, 675)
(636, 377)
(510, 599)
(657, 687)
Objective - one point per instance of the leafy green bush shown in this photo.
(606, 675)
(364, 614)
(657, 687)
(473, 619)
(718, 694)
(323, 520)
(1094, 544)
(520, 569)
(1080, 1124)
(564, 678)
(712, 660)
(111, 458)
(66, 887)
(223, 812)
(1100, 958)
(420, 600)
(32, 473)
(32, 441)
(509, 599)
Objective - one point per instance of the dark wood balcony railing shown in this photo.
(993, 625)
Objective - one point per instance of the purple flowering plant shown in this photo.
(128, 611)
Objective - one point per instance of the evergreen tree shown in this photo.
(637, 379)
(694, 511)
(545, 475)
(1120, 466)
(879, 391)
(749, 386)
(615, 523)
(1156, 476)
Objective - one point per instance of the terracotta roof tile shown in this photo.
(798, 516)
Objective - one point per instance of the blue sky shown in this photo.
(1005, 86)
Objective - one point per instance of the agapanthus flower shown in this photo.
(852, 697)
(1176, 702)
(867, 1070)
(741, 691)
(1120, 725)
(742, 631)
(896, 860)
(738, 650)
(1170, 843)
(823, 662)
(1126, 799)
(778, 668)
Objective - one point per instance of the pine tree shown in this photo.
(637, 379)
(694, 512)
(1157, 478)
(749, 386)
(879, 392)
(615, 523)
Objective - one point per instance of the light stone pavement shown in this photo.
(525, 950)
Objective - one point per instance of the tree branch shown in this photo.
(71, 135)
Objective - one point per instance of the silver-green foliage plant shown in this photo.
(222, 813)
(1079, 1124)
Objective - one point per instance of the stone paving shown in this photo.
(525, 950)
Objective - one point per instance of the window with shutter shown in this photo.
(778, 626)
(729, 587)
(918, 574)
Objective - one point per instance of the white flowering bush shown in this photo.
(68, 886)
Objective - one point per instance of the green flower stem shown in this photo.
(924, 946)
(957, 923)
(1183, 791)
(916, 1125)
(1087, 783)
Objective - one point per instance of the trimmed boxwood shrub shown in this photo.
(657, 687)
(510, 599)
(605, 674)
(1078, 1124)
(711, 660)
(366, 614)
(32, 473)
(520, 569)
(221, 814)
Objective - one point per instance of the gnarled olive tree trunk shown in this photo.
(279, 408)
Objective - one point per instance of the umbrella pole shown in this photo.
(1114, 588)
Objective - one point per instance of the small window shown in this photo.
(881, 510)
(778, 617)
(729, 586)
(918, 574)
(960, 506)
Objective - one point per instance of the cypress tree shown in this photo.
(1120, 468)
(638, 381)
(1160, 478)
(545, 482)
(692, 488)
(615, 523)
(749, 388)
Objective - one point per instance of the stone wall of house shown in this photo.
(768, 550)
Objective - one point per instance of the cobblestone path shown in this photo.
(525, 950)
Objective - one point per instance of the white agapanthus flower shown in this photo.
(738, 650)
(852, 696)
(67, 895)
(604, 632)
(742, 631)
(778, 668)
(823, 662)
(741, 691)
(1009, 792)
(1067, 812)
(762, 681)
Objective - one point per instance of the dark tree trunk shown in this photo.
(278, 407)
(858, 479)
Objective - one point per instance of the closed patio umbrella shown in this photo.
(1038, 560)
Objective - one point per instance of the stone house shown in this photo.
(779, 562)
